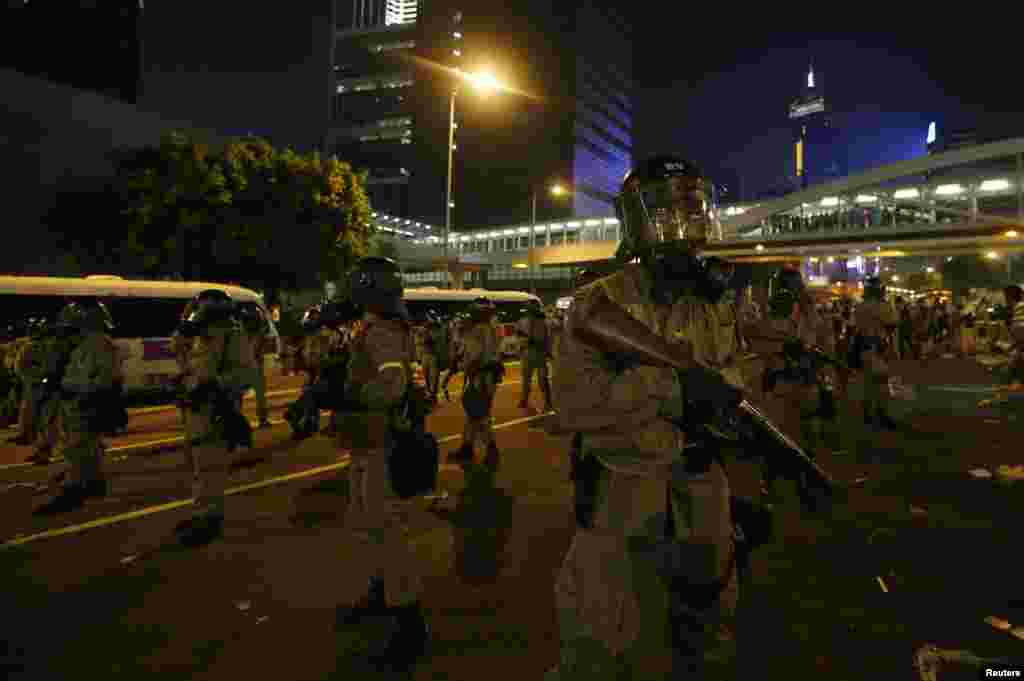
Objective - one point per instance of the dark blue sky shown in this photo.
(726, 107)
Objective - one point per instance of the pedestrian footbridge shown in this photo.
(961, 201)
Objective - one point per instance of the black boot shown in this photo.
(95, 489)
(463, 454)
(371, 604)
(885, 421)
(493, 458)
(409, 643)
(200, 530)
(68, 498)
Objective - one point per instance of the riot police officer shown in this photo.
(89, 374)
(254, 331)
(795, 374)
(535, 334)
(380, 377)
(30, 368)
(435, 354)
(614, 594)
(874, 319)
(483, 372)
(213, 380)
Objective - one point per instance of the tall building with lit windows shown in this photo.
(393, 69)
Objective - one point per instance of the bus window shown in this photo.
(145, 317)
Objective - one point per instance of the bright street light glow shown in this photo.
(1012, 234)
(572, 224)
(865, 198)
(905, 194)
(485, 81)
(830, 201)
(524, 230)
(895, 277)
(949, 190)
(994, 185)
(520, 266)
(760, 247)
(930, 269)
(991, 255)
(558, 190)
(831, 259)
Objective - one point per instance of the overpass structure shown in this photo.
(961, 201)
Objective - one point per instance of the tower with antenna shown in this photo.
(808, 114)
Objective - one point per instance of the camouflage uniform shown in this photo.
(873, 319)
(380, 372)
(182, 348)
(50, 430)
(534, 358)
(315, 350)
(30, 369)
(215, 356)
(90, 370)
(613, 605)
(254, 370)
(479, 347)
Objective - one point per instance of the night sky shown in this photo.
(724, 102)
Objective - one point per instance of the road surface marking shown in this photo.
(149, 444)
(181, 503)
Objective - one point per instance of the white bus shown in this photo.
(448, 302)
(145, 314)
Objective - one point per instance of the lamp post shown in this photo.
(555, 190)
(484, 82)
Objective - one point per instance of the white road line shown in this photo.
(148, 444)
(181, 503)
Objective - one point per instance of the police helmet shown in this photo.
(338, 313)
(252, 317)
(482, 308)
(585, 277)
(377, 282)
(534, 308)
(37, 327)
(312, 319)
(208, 307)
(873, 289)
(788, 279)
(667, 203)
(87, 314)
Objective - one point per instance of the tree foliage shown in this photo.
(244, 212)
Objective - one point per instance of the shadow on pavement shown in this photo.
(84, 624)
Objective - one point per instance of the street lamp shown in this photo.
(555, 190)
(484, 82)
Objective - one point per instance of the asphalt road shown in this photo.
(922, 552)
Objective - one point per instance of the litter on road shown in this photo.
(243, 605)
(881, 583)
(980, 472)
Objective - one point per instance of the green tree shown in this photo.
(243, 212)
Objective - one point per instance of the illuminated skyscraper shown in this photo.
(816, 157)
(401, 12)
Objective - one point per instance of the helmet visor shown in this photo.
(678, 209)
